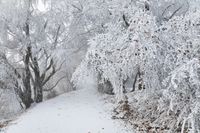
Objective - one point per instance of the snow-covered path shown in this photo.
(75, 112)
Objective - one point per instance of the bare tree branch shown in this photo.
(166, 9)
(175, 12)
(125, 21)
(172, 15)
(56, 36)
(58, 81)
(77, 7)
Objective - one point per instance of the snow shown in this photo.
(82, 111)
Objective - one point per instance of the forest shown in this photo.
(132, 66)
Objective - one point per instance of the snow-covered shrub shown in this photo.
(9, 101)
(181, 65)
(182, 92)
(174, 107)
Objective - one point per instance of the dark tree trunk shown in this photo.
(38, 91)
(135, 80)
(124, 85)
(105, 87)
(26, 94)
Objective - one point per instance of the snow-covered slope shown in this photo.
(80, 111)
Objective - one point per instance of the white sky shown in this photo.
(41, 6)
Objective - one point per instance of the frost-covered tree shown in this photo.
(122, 52)
(32, 39)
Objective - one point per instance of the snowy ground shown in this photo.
(81, 111)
